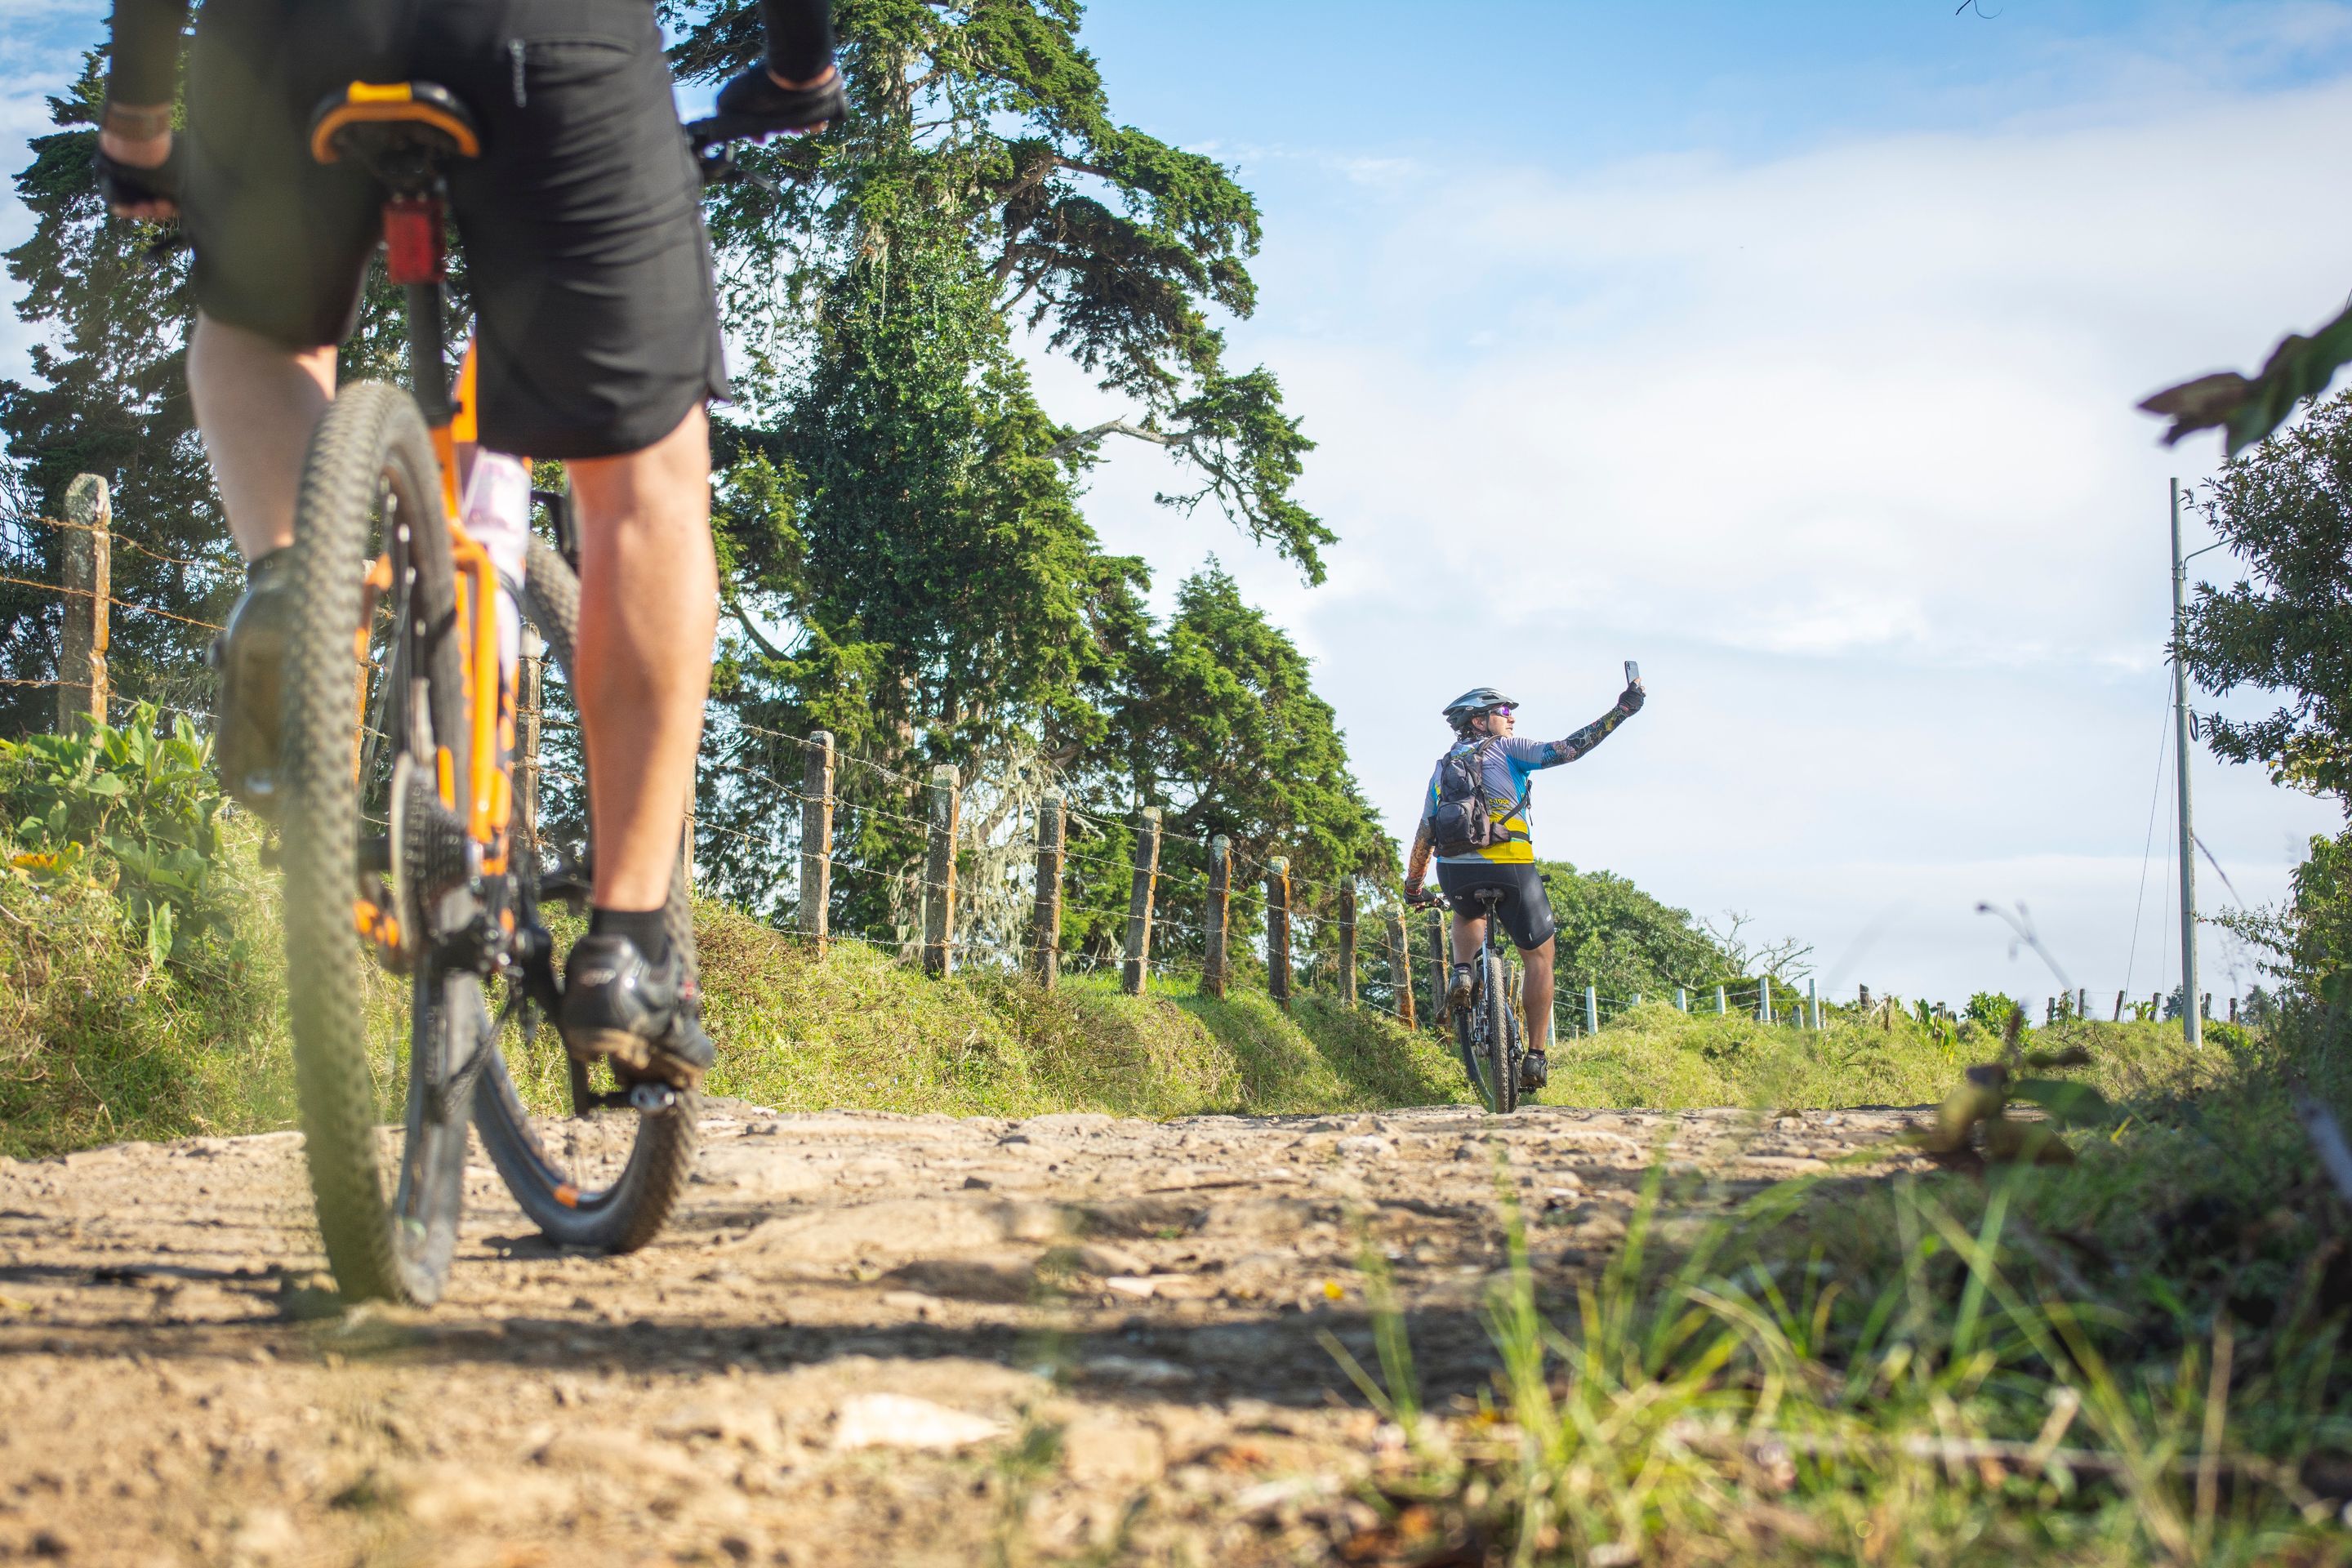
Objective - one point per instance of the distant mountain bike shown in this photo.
(403, 853)
(1486, 1032)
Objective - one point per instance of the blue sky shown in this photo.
(1789, 350)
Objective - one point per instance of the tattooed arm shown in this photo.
(1558, 751)
(1416, 866)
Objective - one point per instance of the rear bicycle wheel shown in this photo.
(609, 1175)
(351, 729)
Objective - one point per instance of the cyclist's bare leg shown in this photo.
(1536, 993)
(1469, 930)
(256, 403)
(648, 614)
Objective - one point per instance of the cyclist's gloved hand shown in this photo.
(1632, 697)
(132, 191)
(756, 104)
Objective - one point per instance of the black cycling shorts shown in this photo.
(597, 328)
(1524, 909)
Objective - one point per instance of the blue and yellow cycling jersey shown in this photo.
(1507, 774)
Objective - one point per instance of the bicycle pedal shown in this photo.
(566, 879)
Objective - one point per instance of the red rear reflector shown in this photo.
(412, 239)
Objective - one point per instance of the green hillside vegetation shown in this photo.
(1623, 943)
(100, 1040)
(1658, 1057)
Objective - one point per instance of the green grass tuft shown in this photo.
(98, 1043)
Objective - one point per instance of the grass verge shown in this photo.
(97, 1044)
(2134, 1358)
(1655, 1056)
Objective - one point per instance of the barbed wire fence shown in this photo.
(84, 683)
(956, 873)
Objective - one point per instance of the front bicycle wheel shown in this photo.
(1471, 1037)
(1502, 1055)
(374, 700)
(609, 1175)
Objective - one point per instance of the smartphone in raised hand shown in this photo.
(1633, 672)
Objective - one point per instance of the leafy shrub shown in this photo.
(128, 808)
(1990, 1010)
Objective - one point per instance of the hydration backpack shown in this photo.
(1463, 820)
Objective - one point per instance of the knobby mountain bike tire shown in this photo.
(606, 1180)
(1472, 1038)
(1502, 1062)
(369, 483)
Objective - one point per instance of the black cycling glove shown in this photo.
(127, 184)
(754, 105)
(1631, 699)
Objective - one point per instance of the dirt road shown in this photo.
(867, 1340)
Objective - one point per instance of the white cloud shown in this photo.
(1841, 445)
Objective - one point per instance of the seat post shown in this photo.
(428, 374)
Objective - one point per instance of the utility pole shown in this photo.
(2191, 1026)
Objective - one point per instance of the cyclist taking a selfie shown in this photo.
(597, 343)
(1474, 822)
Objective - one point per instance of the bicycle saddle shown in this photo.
(399, 129)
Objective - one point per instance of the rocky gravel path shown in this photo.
(867, 1340)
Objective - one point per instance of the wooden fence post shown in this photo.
(1214, 929)
(1401, 969)
(2119, 1006)
(1138, 904)
(1440, 965)
(531, 677)
(816, 838)
(1348, 941)
(1046, 941)
(81, 654)
(939, 873)
(1277, 929)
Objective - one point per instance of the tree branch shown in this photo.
(735, 608)
(1120, 427)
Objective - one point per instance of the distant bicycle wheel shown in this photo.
(373, 573)
(608, 1175)
(1471, 1040)
(1502, 1059)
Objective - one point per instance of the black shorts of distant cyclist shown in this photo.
(1523, 910)
(584, 256)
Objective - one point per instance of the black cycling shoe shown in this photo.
(754, 105)
(646, 1017)
(249, 656)
(1534, 1070)
(1458, 991)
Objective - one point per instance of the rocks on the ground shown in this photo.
(902, 1421)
